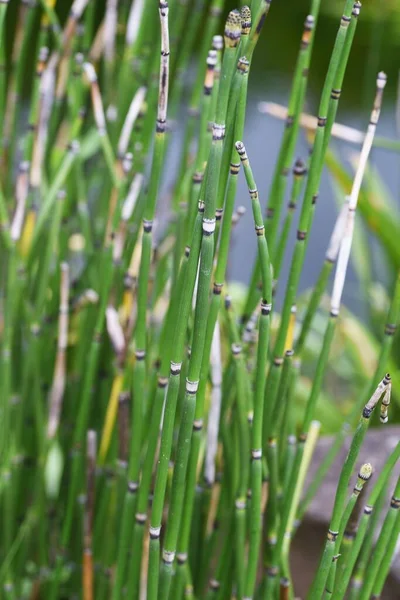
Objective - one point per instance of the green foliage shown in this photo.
(155, 431)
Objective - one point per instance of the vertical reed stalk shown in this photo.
(219, 275)
(363, 477)
(299, 171)
(87, 567)
(232, 36)
(262, 351)
(143, 282)
(59, 377)
(344, 252)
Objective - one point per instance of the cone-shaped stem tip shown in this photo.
(245, 14)
(366, 471)
(240, 148)
(233, 28)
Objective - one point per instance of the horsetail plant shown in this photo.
(153, 441)
(307, 211)
(288, 144)
(345, 232)
(262, 351)
(364, 475)
(142, 290)
(231, 39)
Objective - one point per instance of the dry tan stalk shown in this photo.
(215, 408)
(59, 378)
(110, 29)
(343, 132)
(130, 119)
(96, 50)
(135, 15)
(21, 194)
(115, 330)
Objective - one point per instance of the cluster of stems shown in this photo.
(149, 447)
